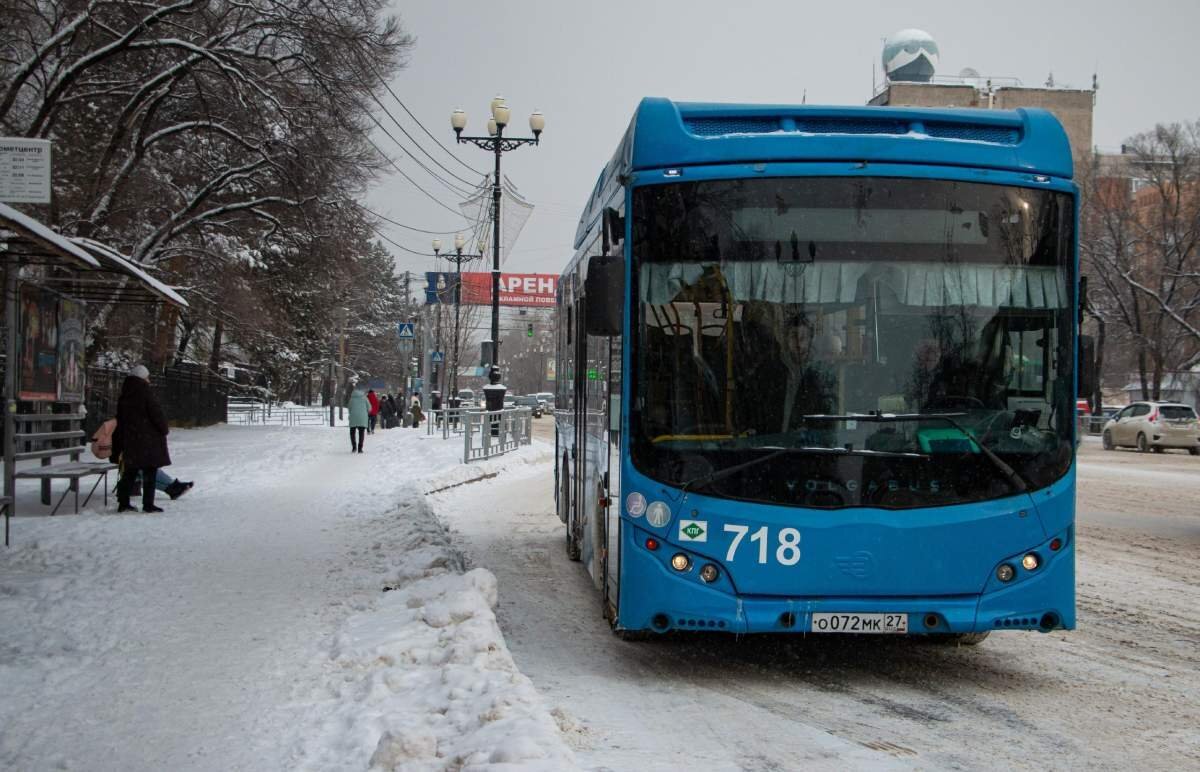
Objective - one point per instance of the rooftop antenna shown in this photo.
(804, 97)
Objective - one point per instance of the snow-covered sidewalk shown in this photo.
(248, 627)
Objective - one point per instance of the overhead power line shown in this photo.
(390, 221)
(412, 139)
(436, 141)
(431, 197)
(450, 185)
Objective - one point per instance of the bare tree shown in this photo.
(1141, 245)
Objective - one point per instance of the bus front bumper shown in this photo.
(666, 600)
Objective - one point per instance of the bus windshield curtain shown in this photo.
(914, 284)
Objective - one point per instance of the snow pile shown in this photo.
(247, 627)
(424, 680)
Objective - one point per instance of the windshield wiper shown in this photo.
(1009, 473)
(721, 474)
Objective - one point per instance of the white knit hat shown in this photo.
(141, 372)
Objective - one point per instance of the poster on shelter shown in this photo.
(71, 368)
(39, 345)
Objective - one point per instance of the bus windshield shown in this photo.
(840, 317)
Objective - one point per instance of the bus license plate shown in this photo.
(859, 623)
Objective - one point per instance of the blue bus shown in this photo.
(817, 370)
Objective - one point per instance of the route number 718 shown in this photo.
(787, 553)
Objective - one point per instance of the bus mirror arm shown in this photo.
(604, 296)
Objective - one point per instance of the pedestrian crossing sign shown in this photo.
(438, 357)
(407, 331)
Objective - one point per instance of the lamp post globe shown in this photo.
(491, 124)
(459, 242)
(437, 246)
(502, 114)
(458, 121)
(537, 123)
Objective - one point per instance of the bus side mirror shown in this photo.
(1087, 366)
(604, 296)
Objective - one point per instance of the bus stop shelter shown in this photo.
(70, 273)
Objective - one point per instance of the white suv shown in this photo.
(1154, 426)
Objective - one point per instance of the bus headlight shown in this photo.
(635, 504)
(680, 562)
(1030, 562)
(658, 514)
(1005, 572)
(709, 573)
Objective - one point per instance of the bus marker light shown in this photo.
(680, 562)
(635, 504)
(658, 514)
(1030, 562)
(652, 544)
(1055, 544)
(1005, 573)
(709, 573)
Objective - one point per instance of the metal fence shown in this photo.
(244, 412)
(485, 434)
(189, 396)
(491, 433)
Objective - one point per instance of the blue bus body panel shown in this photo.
(666, 134)
(939, 561)
(934, 564)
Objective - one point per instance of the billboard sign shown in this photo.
(516, 289)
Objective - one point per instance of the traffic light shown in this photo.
(529, 330)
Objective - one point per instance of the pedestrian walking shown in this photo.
(372, 410)
(359, 410)
(416, 410)
(102, 448)
(387, 412)
(140, 439)
(435, 404)
(397, 413)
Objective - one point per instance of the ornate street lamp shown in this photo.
(497, 144)
(458, 258)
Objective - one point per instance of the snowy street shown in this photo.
(1118, 692)
(306, 608)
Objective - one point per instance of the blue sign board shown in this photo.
(438, 357)
(407, 331)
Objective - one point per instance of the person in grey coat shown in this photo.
(359, 410)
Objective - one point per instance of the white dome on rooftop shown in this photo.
(910, 55)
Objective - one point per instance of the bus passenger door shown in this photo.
(612, 520)
(579, 481)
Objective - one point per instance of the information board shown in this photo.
(24, 170)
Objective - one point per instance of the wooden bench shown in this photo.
(33, 441)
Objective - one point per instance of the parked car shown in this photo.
(547, 398)
(531, 401)
(1154, 426)
(466, 398)
(510, 402)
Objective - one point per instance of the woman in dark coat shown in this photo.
(141, 438)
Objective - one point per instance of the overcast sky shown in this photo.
(586, 65)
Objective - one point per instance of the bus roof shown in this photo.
(665, 134)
